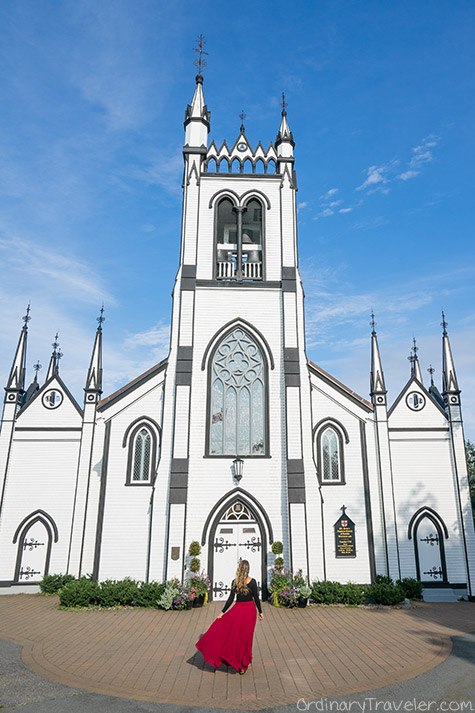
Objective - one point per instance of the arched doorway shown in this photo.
(429, 549)
(35, 536)
(237, 532)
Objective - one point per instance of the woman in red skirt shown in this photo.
(229, 638)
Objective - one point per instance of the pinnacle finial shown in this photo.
(284, 105)
(242, 116)
(444, 324)
(431, 371)
(415, 348)
(55, 344)
(372, 324)
(27, 317)
(200, 62)
(101, 317)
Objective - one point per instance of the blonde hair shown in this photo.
(242, 573)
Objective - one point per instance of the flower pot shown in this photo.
(189, 604)
(275, 599)
(198, 601)
(302, 603)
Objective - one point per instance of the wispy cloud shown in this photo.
(165, 172)
(377, 178)
(156, 338)
(329, 194)
(421, 154)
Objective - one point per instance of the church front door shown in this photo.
(429, 554)
(237, 537)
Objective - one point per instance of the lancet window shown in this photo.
(237, 400)
(330, 455)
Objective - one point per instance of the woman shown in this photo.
(229, 638)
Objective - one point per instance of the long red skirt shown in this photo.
(229, 639)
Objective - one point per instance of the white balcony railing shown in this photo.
(249, 270)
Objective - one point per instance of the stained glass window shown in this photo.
(237, 397)
(142, 453)
(330, 455)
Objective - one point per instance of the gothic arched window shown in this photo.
(142, 455)
(237, 415)
(239, 240)
(142, 438)
(329, 448)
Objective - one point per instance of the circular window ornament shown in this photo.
(52, 398)
(242, 146)
(416, 401)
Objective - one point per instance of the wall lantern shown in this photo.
(238, 465)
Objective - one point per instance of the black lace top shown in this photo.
(253, 593)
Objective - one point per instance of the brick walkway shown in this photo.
(149, 655)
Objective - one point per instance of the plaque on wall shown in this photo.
(345, 544)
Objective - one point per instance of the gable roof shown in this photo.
(42, 389)
(427, 392)
(342, 388)
(132, 385)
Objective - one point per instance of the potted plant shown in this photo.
(199, 585)
(280, 579)
(289, 597)
(304, 593)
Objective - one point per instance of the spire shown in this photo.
(284, 135)
(197, 112)
(433, 388)
(16, 380)
(414, 359)
(377, 386)
(56, 355)
(94, 374)
(449, 378)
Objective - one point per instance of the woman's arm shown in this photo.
(255, 594)
(230, 598)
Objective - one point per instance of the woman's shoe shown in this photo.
(242, 672)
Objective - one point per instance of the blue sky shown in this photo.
(381, 104)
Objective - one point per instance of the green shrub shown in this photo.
(385, 593)
(279, 562)
(118, 593)
(79, 593)
(353, 594)
(52, 583)
(298, 579)
(277, 548)
(383, 579)
(148, 594)
(327, 592)
(194, 549)
(194, 565)
(411, 587)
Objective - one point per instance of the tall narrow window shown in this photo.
(330, 456)
(142, 456)
(237, 399)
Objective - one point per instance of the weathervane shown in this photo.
(200, 62)
(55, 344)
(415, 348)
(444, 324)
(37, 367)
(101, 317)
(431, 371)
(283, 104)
(372, 324)
(242, 116)
(27, 317)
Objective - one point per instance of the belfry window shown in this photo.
(237, 399)
(239, 241)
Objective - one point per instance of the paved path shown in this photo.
(149, 655)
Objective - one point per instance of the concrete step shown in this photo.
(446, 594)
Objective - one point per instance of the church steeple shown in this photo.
(16, 381)
(414, 359)
(285, 134)
(450, 388)
(56, 354)
(377, 385)
(197, 116)
(94, 375)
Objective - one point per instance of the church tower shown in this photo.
(236, 422)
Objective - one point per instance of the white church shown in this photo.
(236, 439)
